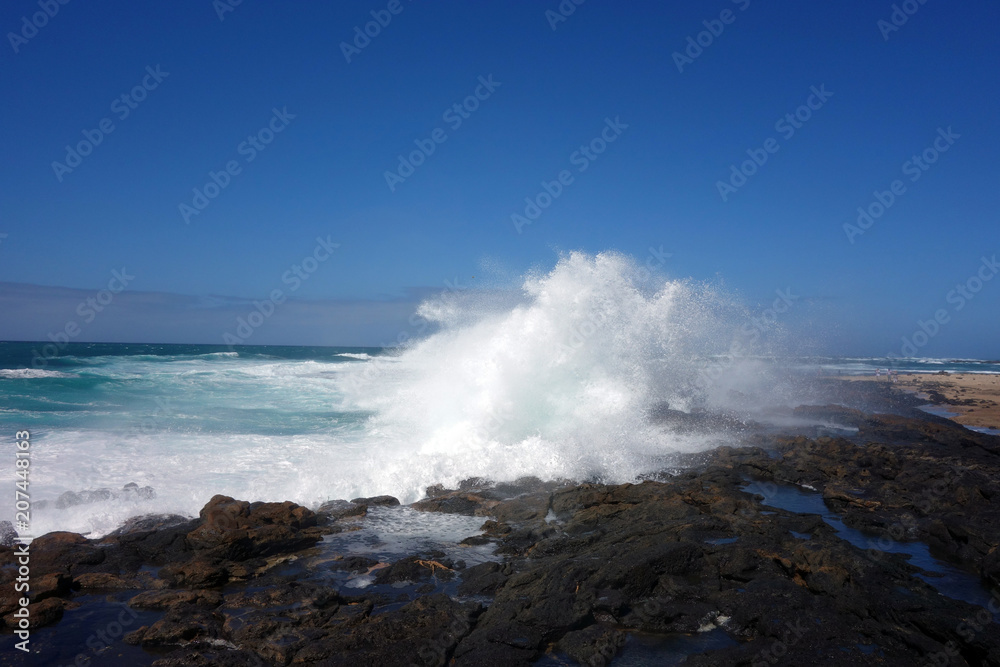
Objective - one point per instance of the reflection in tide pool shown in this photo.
(949, 580)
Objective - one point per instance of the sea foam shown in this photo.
(559, 385)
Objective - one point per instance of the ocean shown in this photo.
(558, 385)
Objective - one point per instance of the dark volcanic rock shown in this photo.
(150, 539)
(198, 654)
(149, 523)
(198, 572)
(178, 626)
(643, 557)
(65, 553)
(237, 530)
(342, 509)
(416, 568)
(355, 564)
(484, 579)
(423, 632)
(377, 501)
(173, 598)
(457, 502)
(594, 644)
(937, 482)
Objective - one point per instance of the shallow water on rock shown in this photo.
(946, 578)
(938, 410)
(94, 630)
(947, 412)
(396, 532)
(390, 534)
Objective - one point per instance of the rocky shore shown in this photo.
(872, 540)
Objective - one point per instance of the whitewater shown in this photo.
(558, 379)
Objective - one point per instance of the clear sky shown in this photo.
(310, 127)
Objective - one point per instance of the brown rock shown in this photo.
(63, 552)
(457, 502)
(223, 521)
(40, 614)
(178, 626)
(377, 501)
(50, 585)
(109, 581)
(196, 573)
(173, 598)
(342, 509)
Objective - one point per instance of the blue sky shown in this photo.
(211, 83)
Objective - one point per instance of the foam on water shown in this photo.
(24, 373)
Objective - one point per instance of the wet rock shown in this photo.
(104, 580)
(178, 626)
(223, 522)
(210, 655)
(236, 530)
(594, 645)
(342, 509)
(40, 614)
(457, 502)
(377, 501)
(50, 585)
(417, 568)
(511, 644)
(930, 480)
(173, 598)
(484, 579)
(199, 572)
(354, 564)
(72, 499)
(9, 598)
(991, 567)
(64, 552)
(150, 539)
(133, 491)
(636, 556)
(289, 594)
(423, 632)
(149, 523)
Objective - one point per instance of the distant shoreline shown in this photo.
(973, 397)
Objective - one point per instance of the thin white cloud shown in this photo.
(38, 312)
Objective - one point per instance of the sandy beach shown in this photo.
(974, 397)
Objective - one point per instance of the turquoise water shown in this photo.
(178, 388)
(187, 420)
